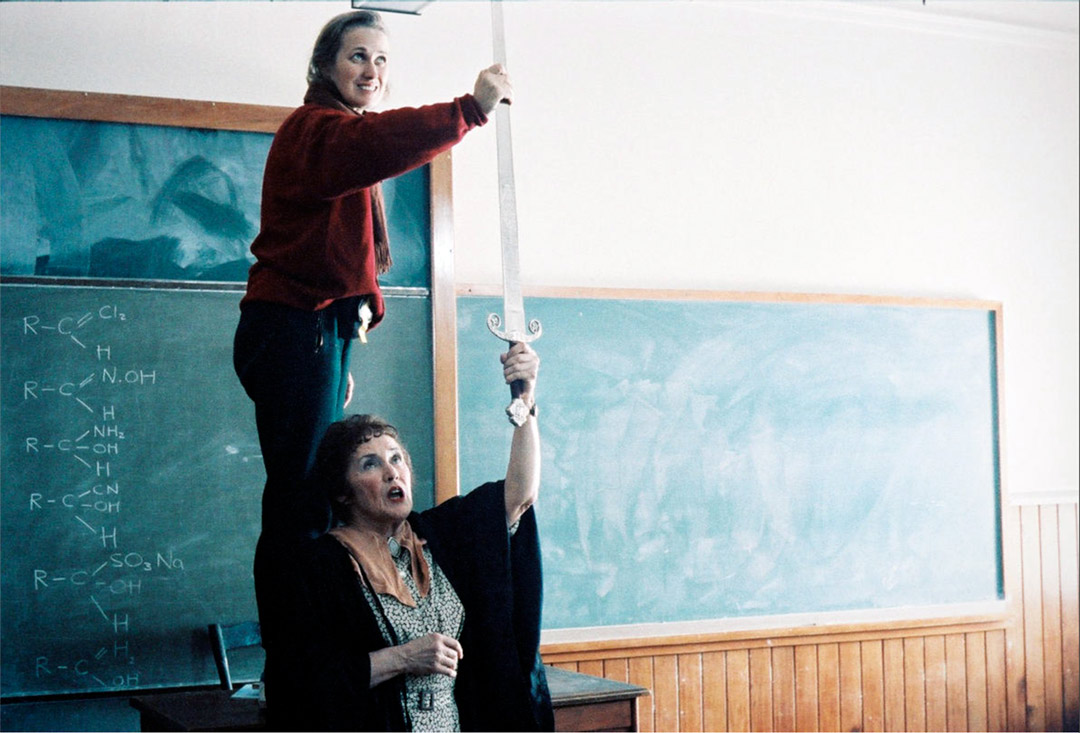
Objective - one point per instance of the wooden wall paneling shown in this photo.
(595, 667)
(761, 689)
(690, 703)
(1049, 553)
(616, 669)
(738, 686)
(955, 682)
(1015, 664)
(714, 691)
(806, 688)
(851, 709)
(829, 686)
(873, 685)
(934, 654)
(997, 718)
(1035, 717)
(914, 684)
(976, 673)
(892, 651)
(1070, 616)
(666, 692)
(783, 702)
(640, 672)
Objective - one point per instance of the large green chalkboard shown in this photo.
(132, 476)
(84, 198)
(718, 459)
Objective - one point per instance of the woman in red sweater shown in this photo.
(322, 245)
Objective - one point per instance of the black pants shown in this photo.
(294, 365)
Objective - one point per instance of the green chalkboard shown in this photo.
(713, 459)
(85, 198)
(132, 476)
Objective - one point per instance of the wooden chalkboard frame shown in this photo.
(210, 115)
(572, 645)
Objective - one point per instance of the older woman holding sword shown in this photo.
(397, 620)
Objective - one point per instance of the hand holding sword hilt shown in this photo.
(517, 411)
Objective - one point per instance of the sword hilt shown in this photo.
(517, 411)
(514, 336)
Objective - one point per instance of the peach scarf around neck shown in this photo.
(370, 555)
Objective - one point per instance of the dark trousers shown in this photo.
(294, 365)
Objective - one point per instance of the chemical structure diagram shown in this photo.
(77, 447)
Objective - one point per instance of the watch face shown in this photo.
(518, 412)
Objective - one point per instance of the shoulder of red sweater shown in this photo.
(312, 109)
(304, 117)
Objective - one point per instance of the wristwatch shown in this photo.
(519, 412)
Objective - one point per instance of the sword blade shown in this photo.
(513, 305)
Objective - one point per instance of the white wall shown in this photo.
(851, 147)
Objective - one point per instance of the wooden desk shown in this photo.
(586, 703)
(200, 710)
(582, 703)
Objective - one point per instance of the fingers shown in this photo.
(436, 654)
(350, 386)
(456, 646)
(449, 655)
(493, 86)
(520, 363)
(446, 663)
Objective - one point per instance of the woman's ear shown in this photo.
(339, 505)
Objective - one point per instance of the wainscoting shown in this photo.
(1017, 672)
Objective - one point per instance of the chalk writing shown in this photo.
(69, 326)
(97, 667)
(80, 444)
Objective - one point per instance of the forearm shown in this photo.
(522, 485)
(431, 654)
(386, 664)
(358, 151)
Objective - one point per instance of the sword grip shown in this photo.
(517, 410)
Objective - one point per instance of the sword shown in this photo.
(511, 327)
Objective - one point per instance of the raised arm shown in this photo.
(521, 364)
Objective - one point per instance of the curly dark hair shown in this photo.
(336, 450)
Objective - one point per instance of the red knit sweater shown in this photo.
(316, 242)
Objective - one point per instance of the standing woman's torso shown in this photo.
(319, 218)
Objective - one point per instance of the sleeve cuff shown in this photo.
(470, 109)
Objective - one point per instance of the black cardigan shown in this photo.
(318, 628)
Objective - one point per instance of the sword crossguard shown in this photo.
(514, 337)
